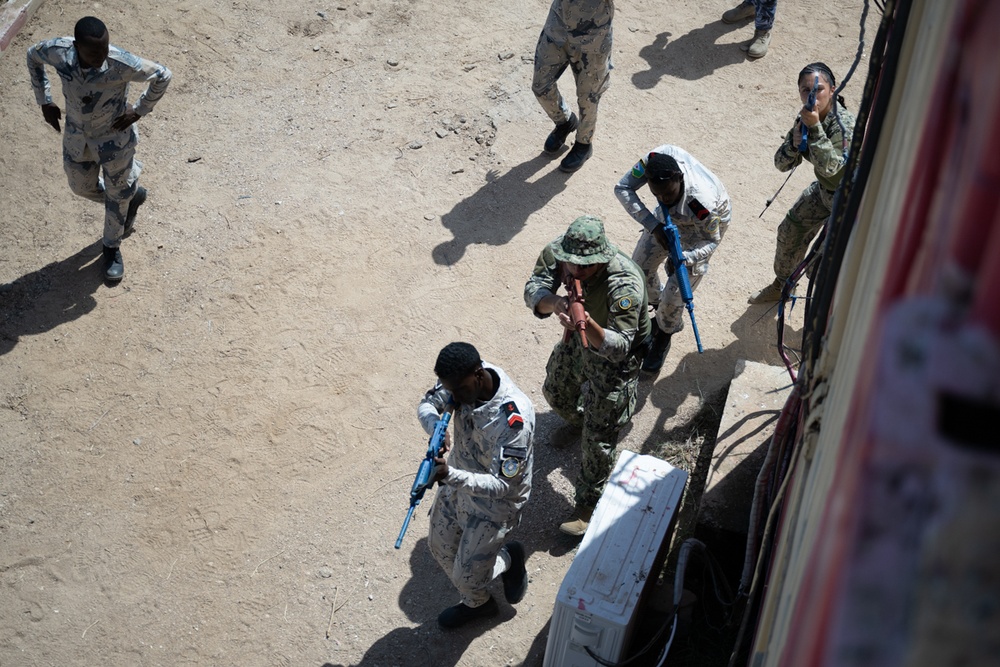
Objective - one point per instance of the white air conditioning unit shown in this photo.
(626, 539)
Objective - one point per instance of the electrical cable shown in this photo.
(871, 116)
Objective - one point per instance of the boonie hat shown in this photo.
(584, 243)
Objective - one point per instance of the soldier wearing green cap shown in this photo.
(592, 387)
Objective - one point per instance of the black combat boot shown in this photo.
(557, 137)
(657, 350)
(460, 614)
(138, 199)
(114, 267)
(577, 155)
(515, 579)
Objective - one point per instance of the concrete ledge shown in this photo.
(14, 14)
(756, 396)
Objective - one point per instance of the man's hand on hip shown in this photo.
(125, 120)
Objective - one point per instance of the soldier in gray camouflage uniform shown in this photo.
(101, 130)
(592, 387)
(577, 33)
(830, 128)
(485, 481)
(698, 204)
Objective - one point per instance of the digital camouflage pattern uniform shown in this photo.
(702, 216)
(595, 388)
(827, 145)
(488, 483)
(95, 98)
(577, 33)
(764, 10)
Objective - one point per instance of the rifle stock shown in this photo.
(425, 472)
(577, 312)
(680, 270)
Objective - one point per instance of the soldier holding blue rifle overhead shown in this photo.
(696, 202)
(485, 481)
(820, 135)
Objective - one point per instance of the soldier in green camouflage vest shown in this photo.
(594, 386)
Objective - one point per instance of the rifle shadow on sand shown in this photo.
(53, 295)
(704, 375)
(497, 211)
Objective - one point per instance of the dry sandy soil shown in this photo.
(209, 463)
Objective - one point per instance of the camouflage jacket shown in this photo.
(702, 215)
(827, 146)
(94, 97)
(572, 20)
(490, 461)
(615, 297)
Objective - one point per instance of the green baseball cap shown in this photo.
(584, 243)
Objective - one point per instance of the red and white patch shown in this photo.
(514, 418)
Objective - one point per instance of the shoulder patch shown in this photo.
(698, 209)
(511, 414)
(713, 224)
(510, 467)
(639, 170)
(625, 303)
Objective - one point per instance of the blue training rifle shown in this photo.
(810, 104)
(680, 270)
(425, 472)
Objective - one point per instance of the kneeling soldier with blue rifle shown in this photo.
(694, 203)
(485, 481)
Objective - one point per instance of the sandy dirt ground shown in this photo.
(209, 463)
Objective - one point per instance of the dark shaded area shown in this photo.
(706, 633)
(727, 504)
(497, 211)
(425, 595)
(969, 421)
(756, 340)
(55, 294)
(691, 56)
(539, 530)
(713, 627)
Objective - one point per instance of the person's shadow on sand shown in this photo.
(54, 294)
(497, 211)
(691, 56)
(423, 597)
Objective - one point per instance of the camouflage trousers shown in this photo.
(466, 546)
(590, 59)
(665, 298)
(120, 182)
(764, 11)
(587, 390)
(801, 224)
